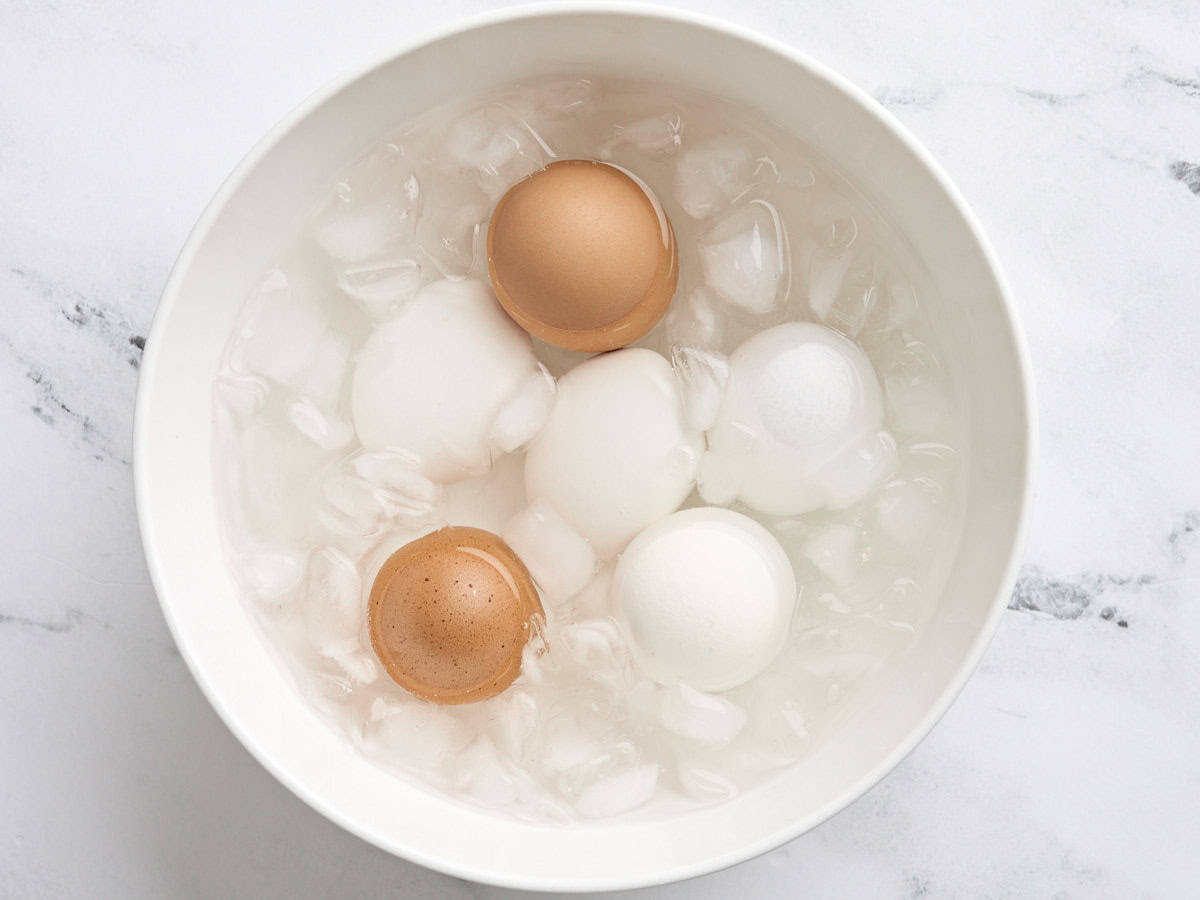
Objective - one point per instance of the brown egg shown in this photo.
(450, 614)
(582, 255)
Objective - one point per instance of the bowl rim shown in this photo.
(621, 8)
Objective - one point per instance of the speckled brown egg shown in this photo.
(450, 614)
(582, 255)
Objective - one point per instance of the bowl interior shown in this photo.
(244, 229)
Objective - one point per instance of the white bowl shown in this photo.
(245, 226)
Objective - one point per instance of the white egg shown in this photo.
(447, 380)
(706, 597)
(800, 426)
(617, 452)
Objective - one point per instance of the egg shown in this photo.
(582, 255)
(618, 451)
(800, 426)
(449, 380)
(450, 613)
(705, 597)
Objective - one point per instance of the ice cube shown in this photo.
(865, 464)
(282, 331)
(567, 745)
(525, 412)
(270, 574)
(479, 773)
(399, 474)
(916, 406)
(855, 301)
(450, 231)
(359, 666)
(325, 431)
(362, 508)
(656, 135)
(703, 782)
(280, 474)
(514, 724)
(241, 396)
(913, 382)
(825, 275)
(702, 380)
(560, 560)
(618, 793)
(593, 601)
(498, 147)
(745, 258)
(382, 288)
(596, 647)
(373, 209)
(487, 501)
(334, 606)
(908, 510)
(700, 718)
(566, 97)
(834, 550)
(711, 175)
(415, 735)
(695, 321)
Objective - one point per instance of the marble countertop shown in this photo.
(1071, 764)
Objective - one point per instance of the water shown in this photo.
(768, 233)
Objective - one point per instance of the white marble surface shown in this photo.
(1071, 764)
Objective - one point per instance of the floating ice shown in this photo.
(913, 382)
(498, 147)
(433, 380)
(514, 724)
(567, 745)
(269, 574)
(525, 413)
(399, 475)
(695, 321)
(280, 478)
(618, 793)
(907, 510)
(374, 208)
(560, 560)
(800, 424)
(325, 431)
(450, 232)
(242, 396)
(421, 736)
(711, 174)
(700, 718)
(566, 97)
(745, 258)
(283, 332)
(657, 135)
(833, 549)
(702, 380)
(382, 288)
(334, 608)
(596, 647)
(617, 452)
(486, 501)
(479, 773)
(704, 782)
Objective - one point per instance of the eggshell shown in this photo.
(582, 255)
(450, 614)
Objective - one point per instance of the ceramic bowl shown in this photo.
(244, 228)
